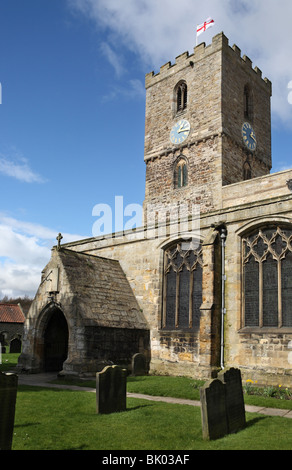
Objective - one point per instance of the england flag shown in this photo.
(201, 28)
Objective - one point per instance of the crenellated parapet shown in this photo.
(219, 42)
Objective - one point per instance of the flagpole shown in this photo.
(197, 35)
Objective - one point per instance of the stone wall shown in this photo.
(237, 72)
(262, 355)
(204, 173)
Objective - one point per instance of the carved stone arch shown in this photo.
(52, 338)
(254, 224)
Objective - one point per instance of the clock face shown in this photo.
(180, 132)
(249, 137)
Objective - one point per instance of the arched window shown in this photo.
(182, 286)
(181, 92)
(246, 171)
(248, 103)
(181, 173)
(267, 278)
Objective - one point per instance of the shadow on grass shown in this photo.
(133, 408)
(25, 425)
(253, 421)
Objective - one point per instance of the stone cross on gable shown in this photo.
(59, 238)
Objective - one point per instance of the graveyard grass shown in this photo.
(50, 419)
(55, 419)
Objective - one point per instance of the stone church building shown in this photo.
(206, 282)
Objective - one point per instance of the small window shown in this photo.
(181, 174)
(246, 171)
(248, 103)
(181, 96)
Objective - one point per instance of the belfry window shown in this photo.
(182, 288)
(181, 96)
(181, 174)
(248, 103)
(246, 171)
(267, 278)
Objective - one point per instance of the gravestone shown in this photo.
(139, 364)
(213, 410)
(222, 406)
(111, 390)
(15, 345)
(235, 409)
(8, 392)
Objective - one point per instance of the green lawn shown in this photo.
(183, 387)
(9, 361)
(49, 419)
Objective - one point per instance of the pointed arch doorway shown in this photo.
(55, 342)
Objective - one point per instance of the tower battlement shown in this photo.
(219, 42)
(200, 113)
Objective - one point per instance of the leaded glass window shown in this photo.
(182, 286)
(267, 278)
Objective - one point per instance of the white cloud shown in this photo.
(113, 58)
(25, 248)
(158, 31)
(19, 170)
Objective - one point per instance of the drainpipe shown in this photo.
(223, 279)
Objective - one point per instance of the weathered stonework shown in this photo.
(104, 319)
(111, 289)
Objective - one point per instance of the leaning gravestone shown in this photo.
(213, 410)
(139, 364)
(8, 392)
(222, 407)
(111, 390)
(235, 409)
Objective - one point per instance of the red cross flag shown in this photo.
(202, 27)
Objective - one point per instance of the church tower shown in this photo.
(207, 126)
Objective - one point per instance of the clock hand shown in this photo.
(183, 129)
(252, 136)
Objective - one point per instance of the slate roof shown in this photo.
(102, 290)
(11, 313)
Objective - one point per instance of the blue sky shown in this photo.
(73, 102)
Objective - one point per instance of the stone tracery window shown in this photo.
(267, 278)
(182, 297)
